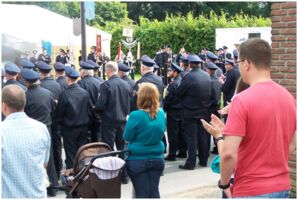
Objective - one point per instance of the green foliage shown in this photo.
(159, 10)
(190, 32)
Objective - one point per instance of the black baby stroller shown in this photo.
(96, 174)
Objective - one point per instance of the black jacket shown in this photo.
(40, 104)
(216, 92)
(51, 85)
(130, 82)
(14, 82)
(113, 101)
(195, 94)
(62, 82)
(73, 109)
(149, 77)
(171, 102)
(92, 85)
(229, 86)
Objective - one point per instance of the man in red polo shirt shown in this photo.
(260, 130)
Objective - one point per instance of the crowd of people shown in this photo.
(79, 107)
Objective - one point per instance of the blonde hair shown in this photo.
(148, 98)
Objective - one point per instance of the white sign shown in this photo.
(127, 32)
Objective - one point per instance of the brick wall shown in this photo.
(284, 58)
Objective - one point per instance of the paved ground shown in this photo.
(177, 183)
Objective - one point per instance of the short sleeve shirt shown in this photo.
(265, 116)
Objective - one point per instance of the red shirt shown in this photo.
(265, 116)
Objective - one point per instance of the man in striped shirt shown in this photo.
(25, 148)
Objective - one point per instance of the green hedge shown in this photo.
(190, 32)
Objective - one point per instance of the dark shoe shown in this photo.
(170, 158)
(185, 167)
(124, 180)
(51, 192)
(203, 164)
(180, 155)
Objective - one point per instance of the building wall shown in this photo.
(283, 16)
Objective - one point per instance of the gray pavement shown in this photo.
(177, 183)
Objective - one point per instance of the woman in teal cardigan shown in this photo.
(144, 132)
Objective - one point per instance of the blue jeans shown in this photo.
(145, 176)
(275, 195)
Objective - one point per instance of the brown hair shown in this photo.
(241, 85)
(257, 51)
(14, 97)
(148, 98)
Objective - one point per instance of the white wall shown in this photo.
(230, 36)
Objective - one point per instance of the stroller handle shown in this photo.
(113, 153)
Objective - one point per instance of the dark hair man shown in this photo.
(260, 131)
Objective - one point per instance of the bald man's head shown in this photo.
(14, 98)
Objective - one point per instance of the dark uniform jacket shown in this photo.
(113, 102)
(44, 58)
(92, 85)
(14, 82)
(229, 86)
(40, 104)
(62, 82)
(62, 59)
(51, 85)
(171, 102)
(91, 56)
(195, 94)
(99, 78)
(130, 82)
(149, 77)
(185, 71)
(73, 109)
(216, 91)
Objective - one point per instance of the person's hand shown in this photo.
(228, 192)
(211, 128)
(224, 110)
(217, 122)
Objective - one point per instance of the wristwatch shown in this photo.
(223, 187)
(219, 138)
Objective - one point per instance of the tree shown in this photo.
(159, 10)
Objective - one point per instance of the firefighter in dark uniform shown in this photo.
(173, 109)
(195, 95)
(11, 73)
(25, 64)
(73, 115)
(49, 83)
(44, 56)
(92, 85)
(211, 57)
(95, 68)
(229, 85)
(113, 105)
(40, 106)
(216, 94)
(147, 77)
(184, 65)
(46, 81)
(60, 77)
(123, 73)
(91, 55)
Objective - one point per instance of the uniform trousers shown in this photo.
(113, 134)
(174, 132)
(196, 140)
(73, 139)
(51, 170)
(95, 131)
(57, 146)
